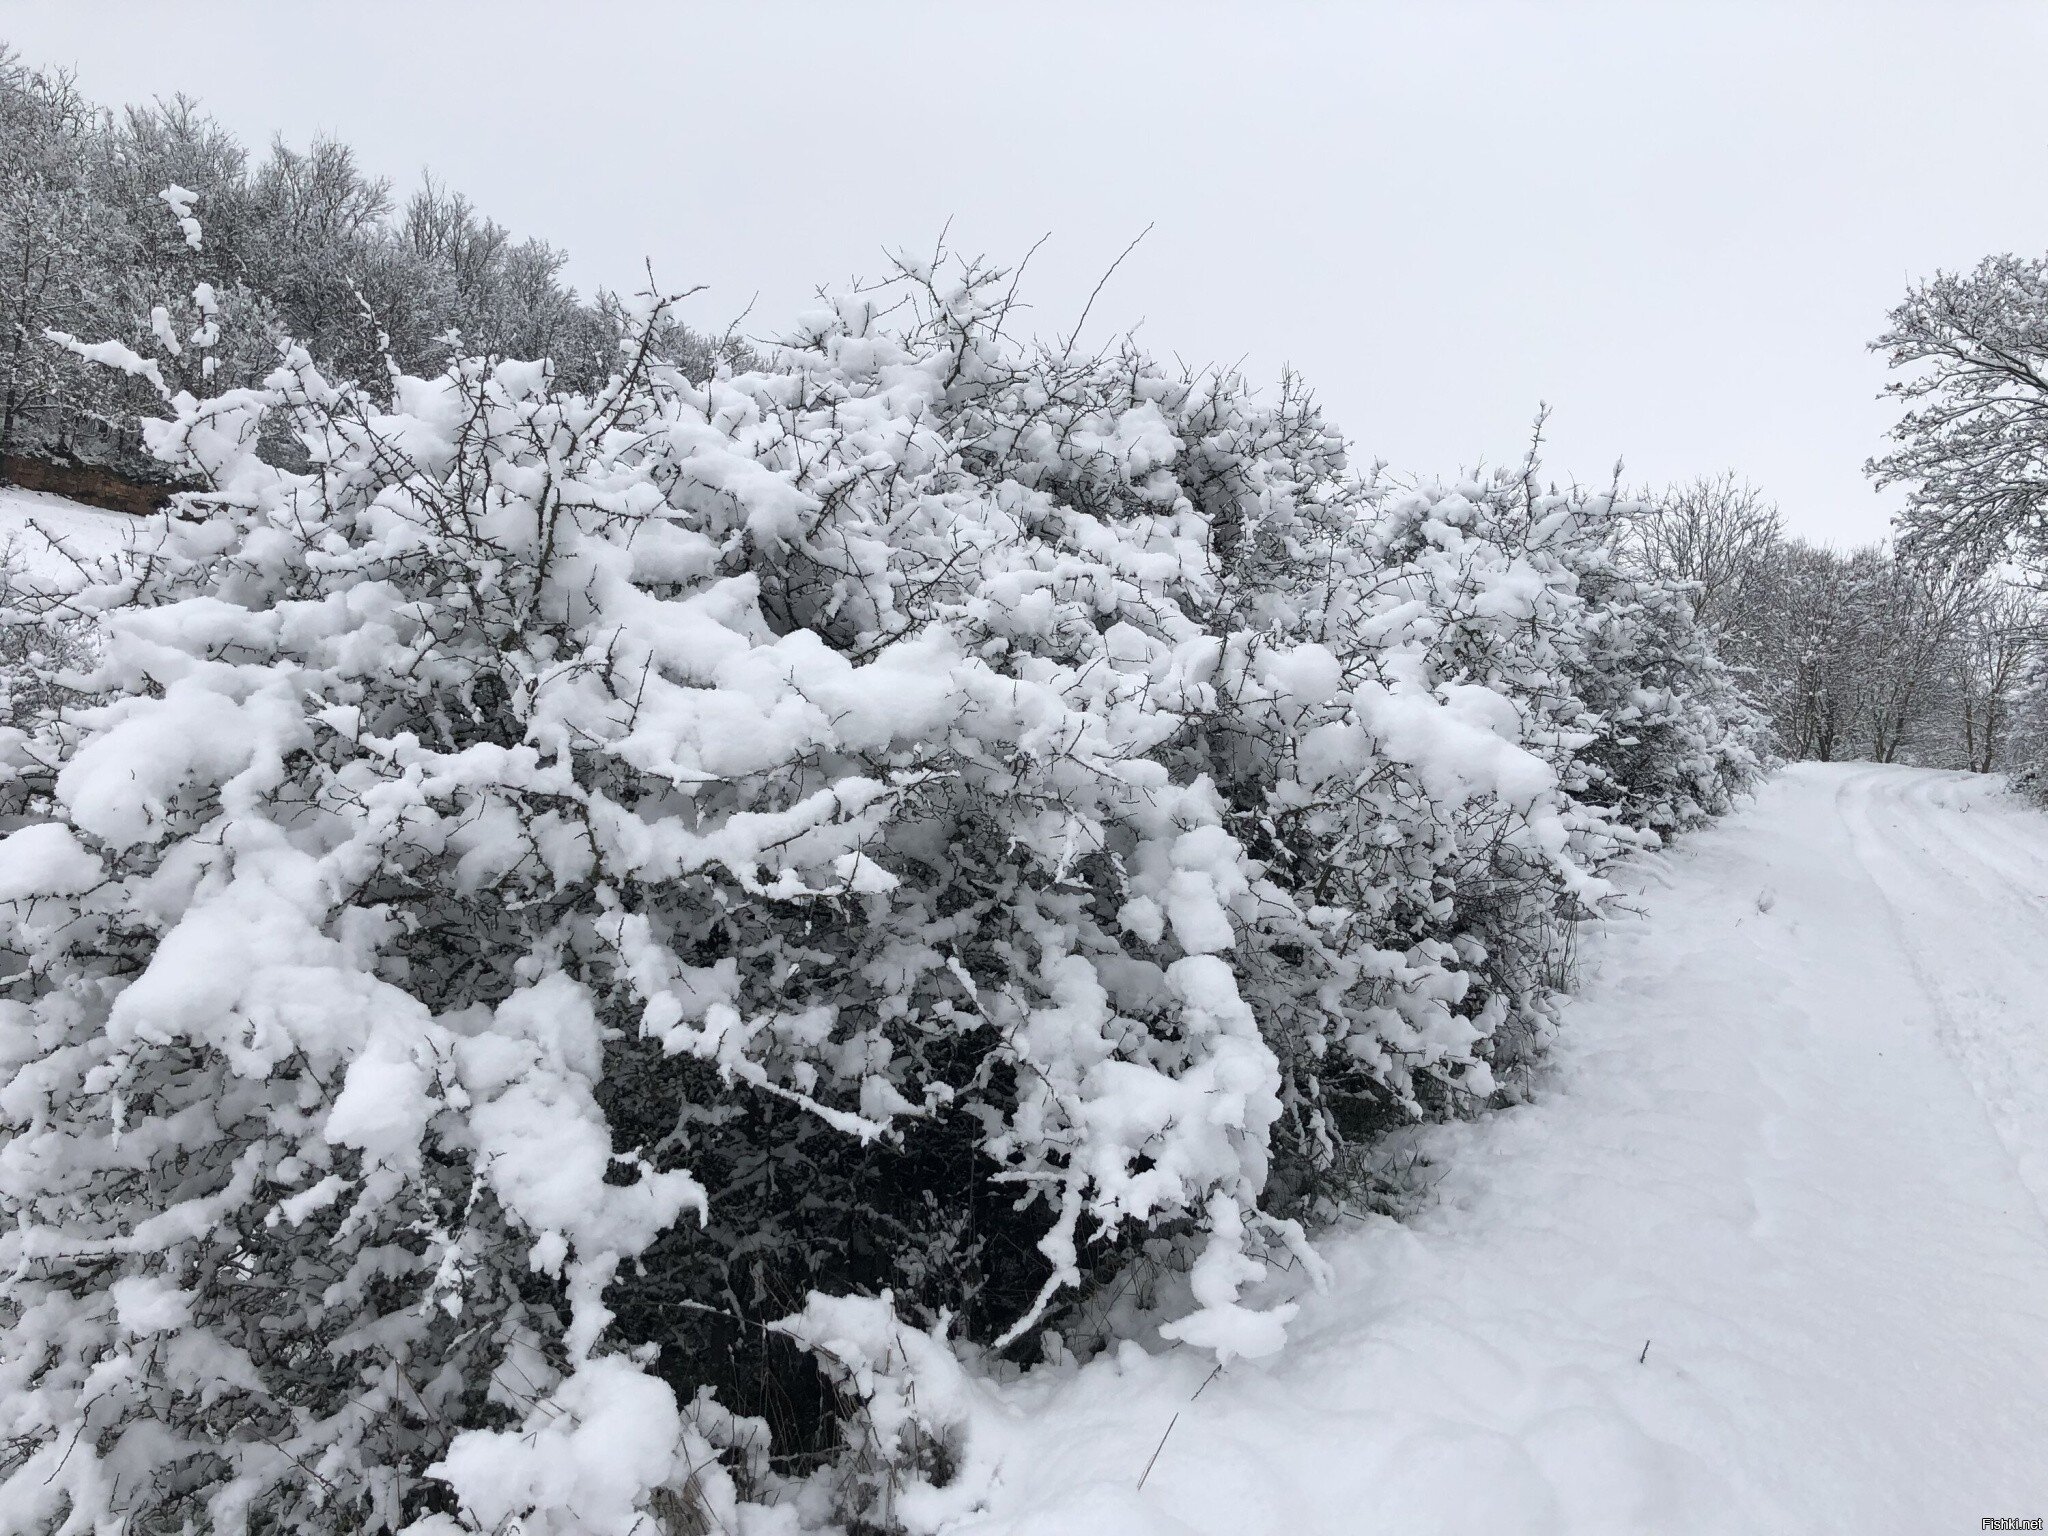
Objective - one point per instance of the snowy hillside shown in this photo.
(1771, 1259)
(35, 523)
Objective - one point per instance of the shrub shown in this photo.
(563, 891)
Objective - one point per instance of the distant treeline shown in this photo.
(1892, 655)
(299, 243)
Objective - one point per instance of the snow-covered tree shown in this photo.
(1999, 644)
(1971, 449)
(298, 241)
(1720, 534)
(58, 242)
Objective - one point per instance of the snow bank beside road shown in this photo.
(1790, 1149)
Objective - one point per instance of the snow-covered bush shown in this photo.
(583, 916)
(1678, 738)
(1513, 712)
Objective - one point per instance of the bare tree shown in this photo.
(1719, 533)
(1910, 613)
(1998, 642)
(1806, 630)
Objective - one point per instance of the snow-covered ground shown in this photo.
(1798, 1147)
(31, 520)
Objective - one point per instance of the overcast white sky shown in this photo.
(1679, 224)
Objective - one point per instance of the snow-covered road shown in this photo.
(1798, 1144)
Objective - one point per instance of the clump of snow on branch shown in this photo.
(180, 202)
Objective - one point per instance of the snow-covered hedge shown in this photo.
(576, 920)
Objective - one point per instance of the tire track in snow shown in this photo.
(1983, 990)
(1756, 1150)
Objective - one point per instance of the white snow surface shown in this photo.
(1796, 1142)
(31, 520)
